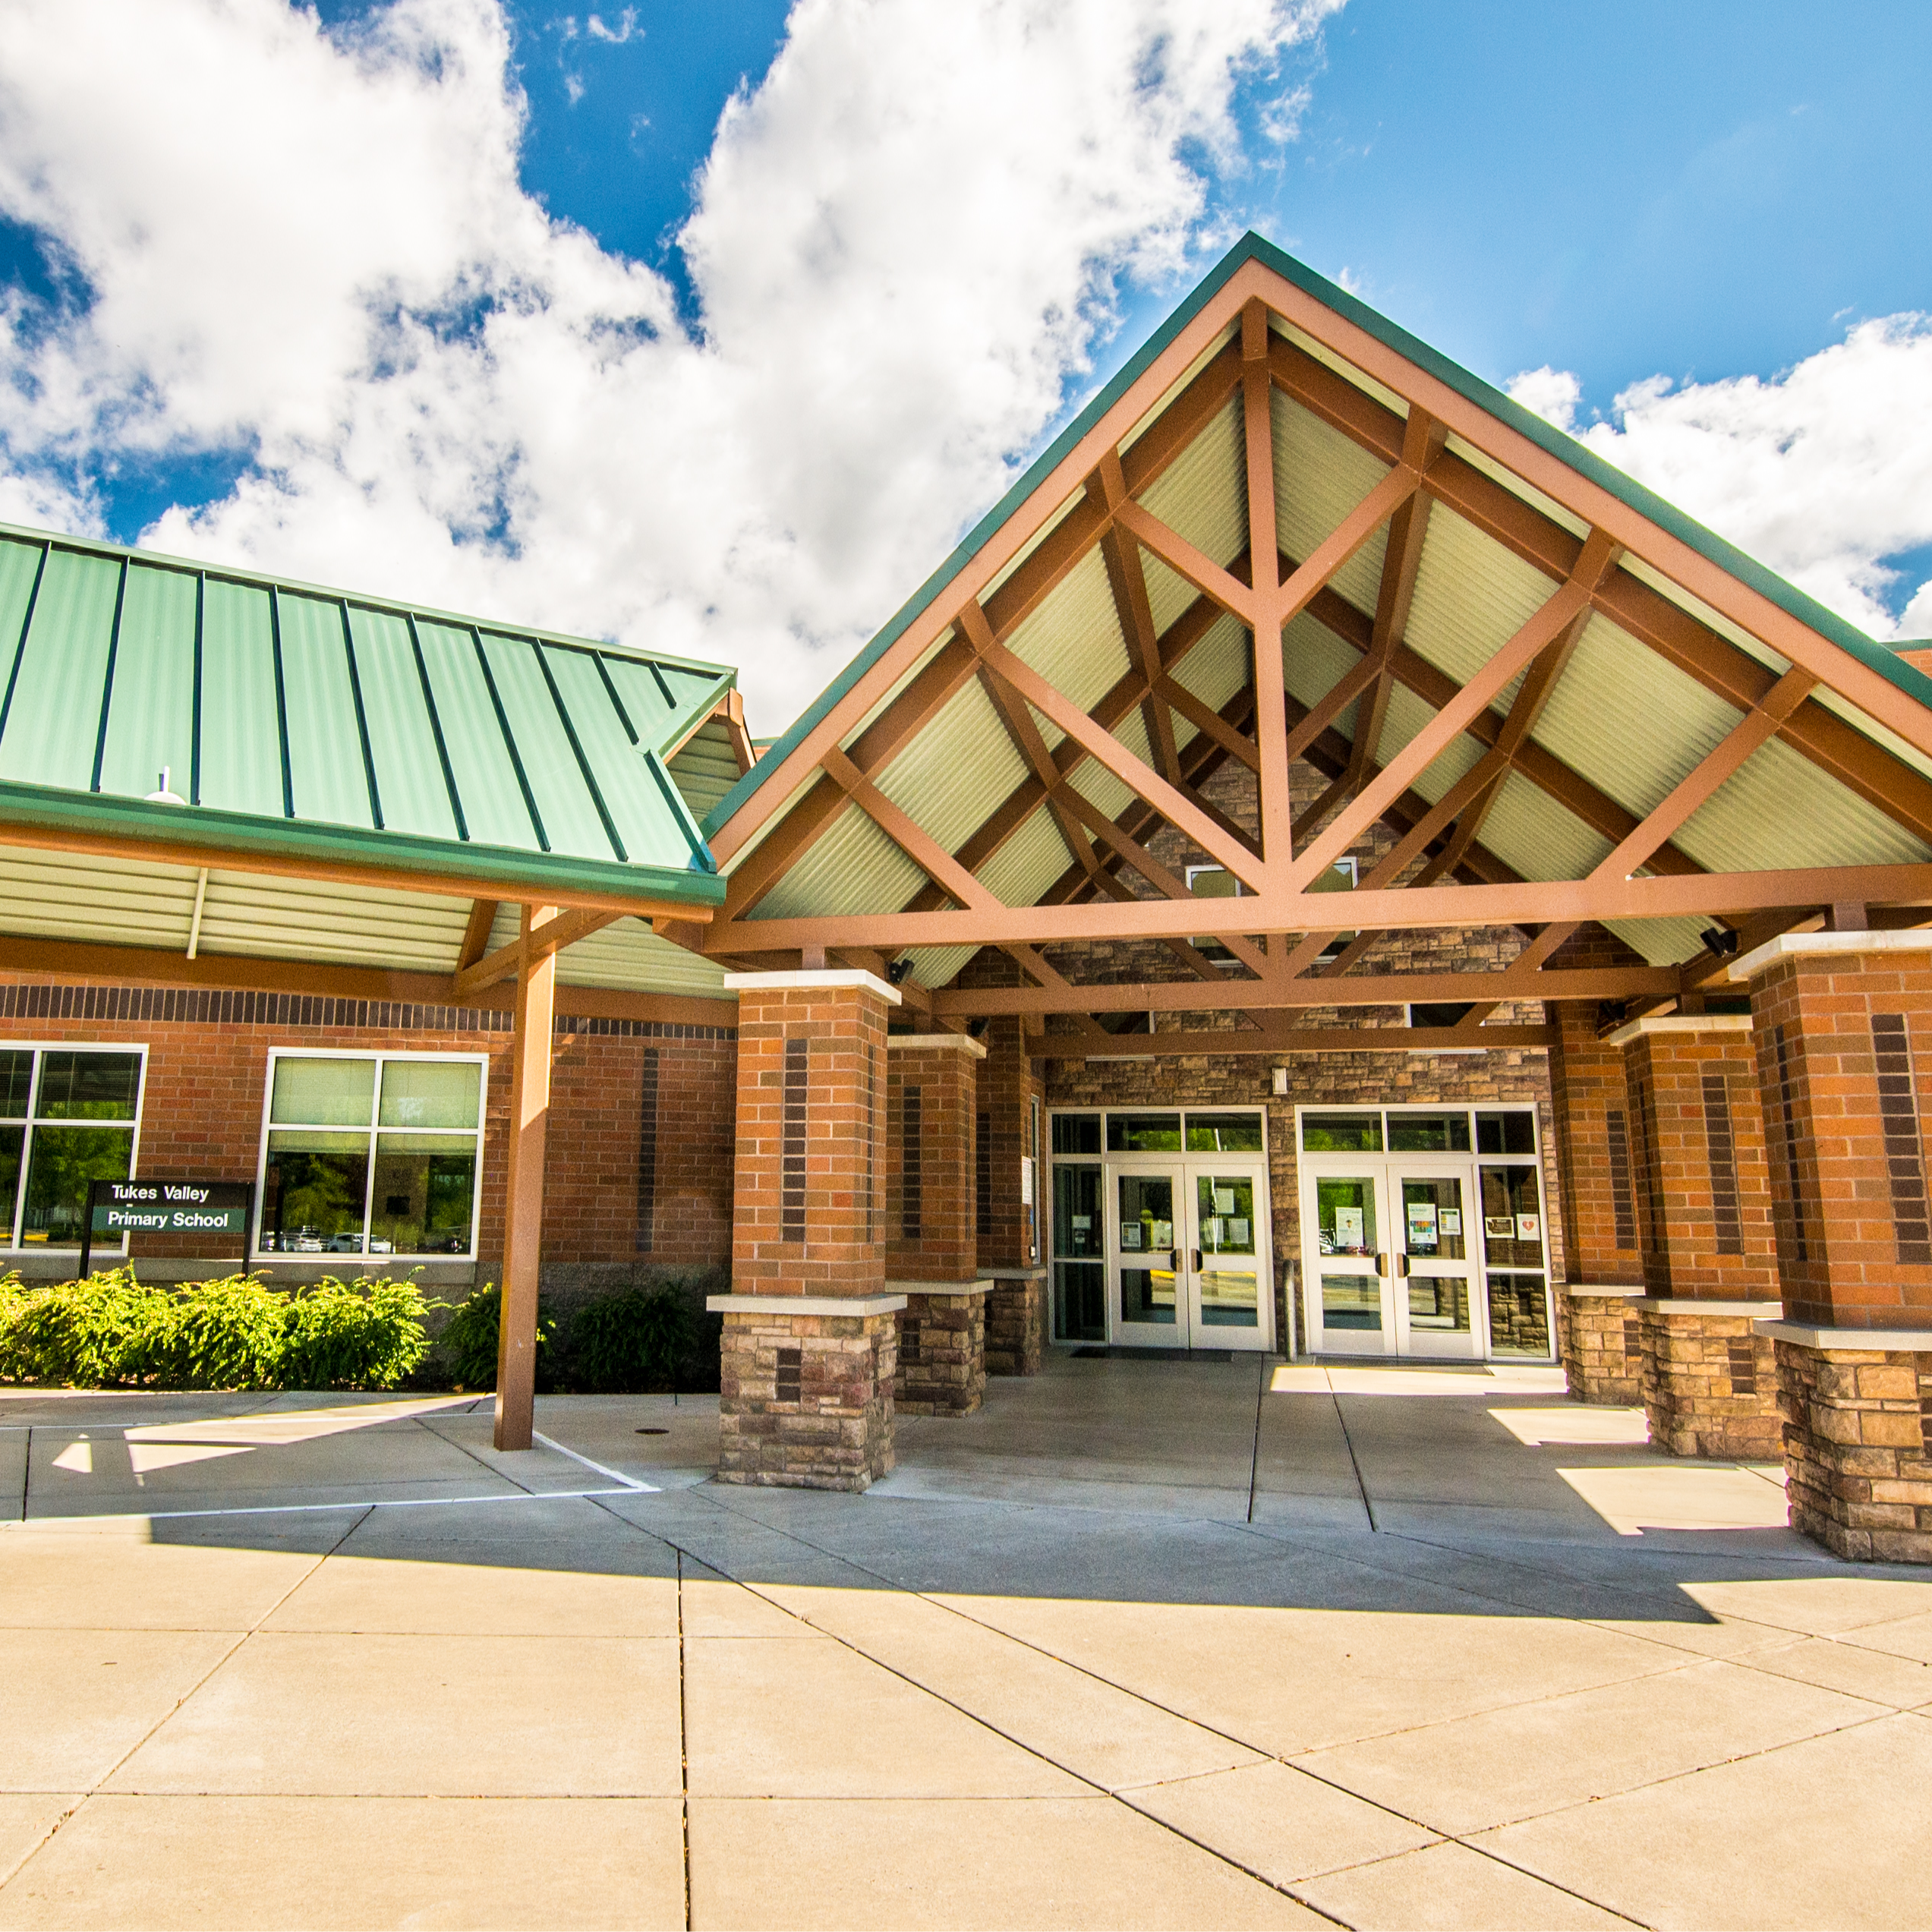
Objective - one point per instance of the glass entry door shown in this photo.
(1432, 1245)
(1348, 1262)
(1149, 1307)
(1225, 1261)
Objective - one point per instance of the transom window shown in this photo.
(371, 1154)
(68, 1116)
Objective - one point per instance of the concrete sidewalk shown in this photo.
(1142, 1643)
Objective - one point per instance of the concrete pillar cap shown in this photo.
(1680, 1022)
(935, 1043)
(832, 976)
(1788, 945)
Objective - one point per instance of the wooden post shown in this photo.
(523, 1218)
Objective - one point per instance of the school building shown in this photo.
(1326, 867)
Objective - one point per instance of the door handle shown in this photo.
(1381, 1265)
(1402, 1267)
(1197, 1261)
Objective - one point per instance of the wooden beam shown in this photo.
(1545, 623)
(1423, 441)
(1513, 981)
(1100, 744)
(523, 1213)
(1264, 544)
(1127, 581)
(911, 838)
(1519, 903)
(476, 934)
(1211, 1041)
(555, 930)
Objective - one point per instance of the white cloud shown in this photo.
(906, 243)
(1822, 472)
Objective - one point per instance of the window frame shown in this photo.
(363, 1255)
(39, 1049)
(1210, 948)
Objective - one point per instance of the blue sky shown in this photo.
(1704, 189)
(387, 372)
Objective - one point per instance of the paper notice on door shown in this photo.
(1130, 1235)
(1082, 1223)
(1450, 1222)
(1237, 1234)
(1025, 1181)
(1422, 1224)
(1223, 1200)
(1212, 1234)
(1163, 1235)
(1499, 1227)
(1529, 1228)
(1348, 1228)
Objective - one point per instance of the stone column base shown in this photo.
(1603, 1345)
(1710, 1384)
(804, 1397)
(1017, 1322)
(1857, 1440)
(942, 1348)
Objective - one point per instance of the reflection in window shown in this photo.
(1143, 1133)
(1076, 1133)
(1341, 1133)
(1429, 1133)
(1512, 1132)
(1225, 1133)
(1080, 1269)
(70, 1120)
(339, 1178)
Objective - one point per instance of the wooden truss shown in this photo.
(1448, 877)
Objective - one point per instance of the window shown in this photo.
(1445, 1013)
(68, 1116)
(1212, 882)
(370, 1155)
(1341, 877)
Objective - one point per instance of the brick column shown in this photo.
(1013, 1233)
(810, 1344)
(1703, 1214)
(932, 1235)
(1602, 1331)
(1843, 1025)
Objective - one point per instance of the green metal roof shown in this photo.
(306, 723)
(1251, 247)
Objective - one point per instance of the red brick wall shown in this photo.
(1690, 1209)
(207, 1071)
(1007, 1085)
(946, 1249)
(1848, 1207)
(842, 1030)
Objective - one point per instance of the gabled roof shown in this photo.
(332, 731)
(1564, 692)
(1252, 247)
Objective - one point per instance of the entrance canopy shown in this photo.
(1564, 701)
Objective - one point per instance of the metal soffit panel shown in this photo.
(1202, 495)
(705, 767)
(107, 902)
(323, 714)
(1168, 592)
(932, 967)
(626, 957)
(1073, 640)
(1216, 668)
(1659, 942)
(1627, 720)
(1320, 475)
(1779, 809)
(1471, 597)
(947, 773)
(1532, 834)
(1029, 862)
(853, 868)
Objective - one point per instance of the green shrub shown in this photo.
(227, 1334)
(112, 1331)
(85, 1333)
(468, 1341)
(350, 1335)
(626, 1343)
